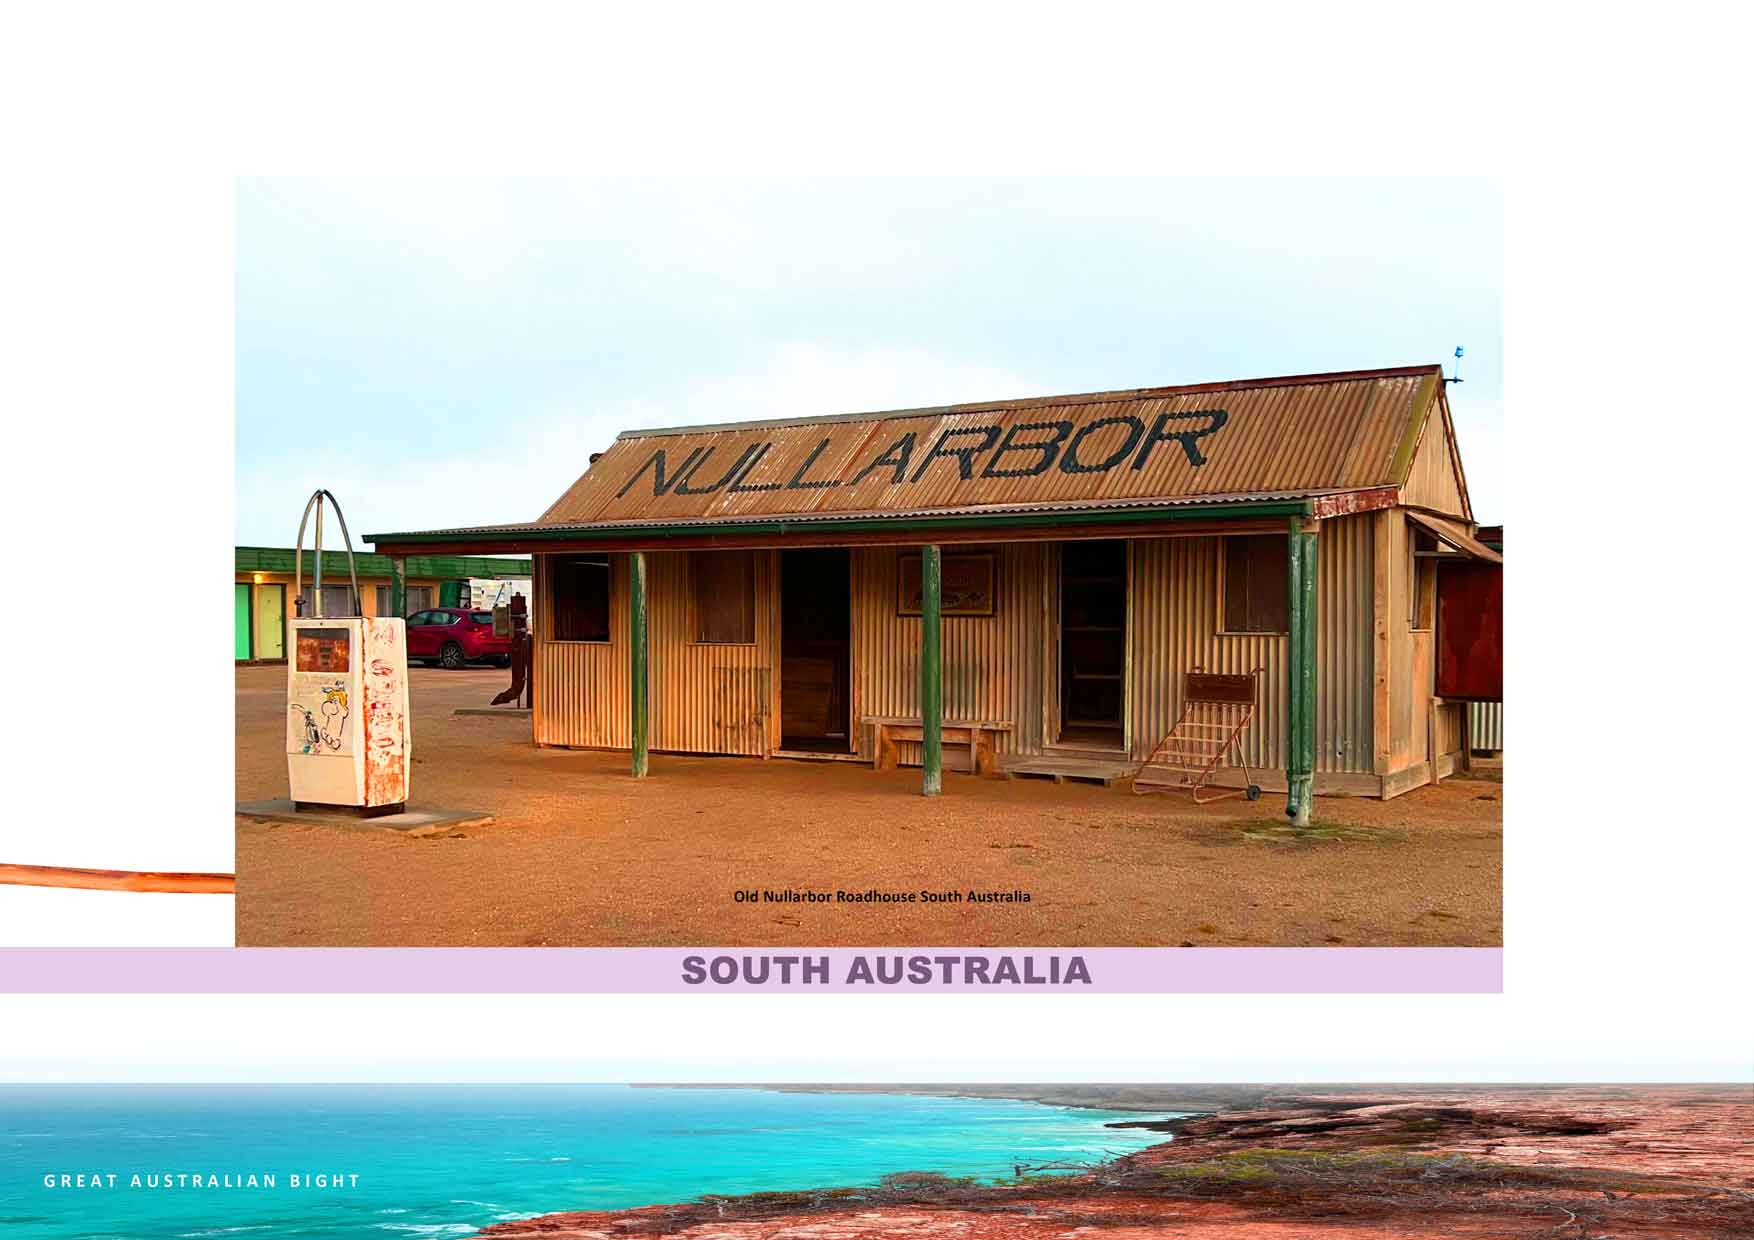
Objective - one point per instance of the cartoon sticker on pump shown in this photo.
(321, 714)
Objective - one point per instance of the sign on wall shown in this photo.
(970, 586)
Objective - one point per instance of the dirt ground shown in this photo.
(581, 854)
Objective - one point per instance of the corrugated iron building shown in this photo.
(764, 582)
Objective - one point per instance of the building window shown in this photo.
(1257, 585)
(581, 598)
(338, 601)
(1422, 579)
(414, 599)
(724, 596)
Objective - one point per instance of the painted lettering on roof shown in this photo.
(1022, 450)
(1272, 436)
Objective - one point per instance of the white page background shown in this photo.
(1627, 859)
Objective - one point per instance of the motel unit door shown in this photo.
(241, 631)
(270, 621)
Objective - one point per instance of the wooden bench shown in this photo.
(979, 735)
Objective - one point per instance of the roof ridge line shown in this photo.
(1073, 398)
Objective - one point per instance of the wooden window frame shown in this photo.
(553, 590)
(1421, 561)
(347, 592)
(1224, 629)
(694, 637)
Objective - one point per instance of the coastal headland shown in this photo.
(1659, 1162)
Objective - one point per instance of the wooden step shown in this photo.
(1060, 769)
(1086, 753)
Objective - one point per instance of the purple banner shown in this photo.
(663, 970)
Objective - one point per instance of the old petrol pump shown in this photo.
(347, 733)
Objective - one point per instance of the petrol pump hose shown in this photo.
(116, 880)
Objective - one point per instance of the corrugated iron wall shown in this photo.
(1174, 623)
(582, 687)
(1486, 725)
(704, 698)
(992, 664)
(1345, 671)
(721, 699)
(709, 698)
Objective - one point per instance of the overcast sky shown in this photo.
(450, 352)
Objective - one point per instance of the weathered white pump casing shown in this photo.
(347, 735)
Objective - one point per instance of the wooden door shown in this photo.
(241, 622)
(271, 622)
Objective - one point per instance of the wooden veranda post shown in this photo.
(636, 611)
(398, 587)
(932, 669)
(1300, 715)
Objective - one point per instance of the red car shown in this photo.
(455, 637)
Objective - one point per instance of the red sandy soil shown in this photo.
(1394, 1163)
(580, 853)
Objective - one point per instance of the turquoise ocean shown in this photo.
(444, 1161)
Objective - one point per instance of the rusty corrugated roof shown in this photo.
(1300, 436)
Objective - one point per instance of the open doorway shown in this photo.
(816, 650)
(1093, 644)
